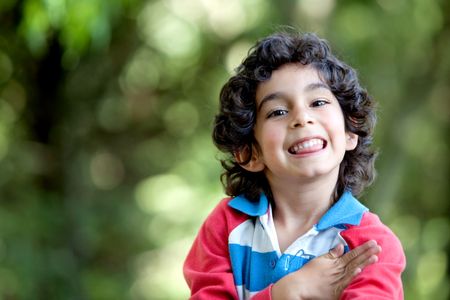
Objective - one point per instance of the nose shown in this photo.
(301, 118)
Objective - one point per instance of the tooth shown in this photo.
(306, 144)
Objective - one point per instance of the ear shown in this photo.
(351, 140)
(255, 164)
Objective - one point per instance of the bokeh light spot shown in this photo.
(7, 118)
(418, 135)
(7, 113)
(227, 18)
(34, 27)
(431, 271)
(142, 71)
(112, 114)
(435, 234)
(6, 67)
(56, 10)
(171, 35)
(163, 194)
(14, 93)
(236, 55)
(358, 22)
(155, 268)
(181, 118)
(316, 9)
(407, 229)
(189, 10)
(107, 170)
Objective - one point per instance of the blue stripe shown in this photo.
(251, 269)
(256, 270)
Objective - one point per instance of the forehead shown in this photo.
(291, 78)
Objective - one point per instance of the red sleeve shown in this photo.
(207, 268)
(265, 294)
(381, 280)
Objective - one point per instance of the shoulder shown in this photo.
(215, 230)
(223, 217)
(371, 228)
(381, 280)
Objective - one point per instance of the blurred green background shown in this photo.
(107, 165)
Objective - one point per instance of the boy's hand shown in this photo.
(326, 276)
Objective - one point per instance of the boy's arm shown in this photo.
(207, 268)
(381, 280)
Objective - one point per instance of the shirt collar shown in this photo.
(347, 210)
(251, 208)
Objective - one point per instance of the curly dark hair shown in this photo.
(233, 127)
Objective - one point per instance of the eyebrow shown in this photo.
(317, 85)
(269, 97)
(277, 95)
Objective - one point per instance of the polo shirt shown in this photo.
(236, 254)
(254, 250)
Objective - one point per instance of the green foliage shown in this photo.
(107, 166)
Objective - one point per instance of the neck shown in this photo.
(299, 204)
(302, 203)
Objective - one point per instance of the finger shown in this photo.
(365, 258)
(345, 280)
(360, 250)
(362, 263)
(337, 251)
(353, 268)
(355, 261)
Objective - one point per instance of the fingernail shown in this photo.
(357, 271)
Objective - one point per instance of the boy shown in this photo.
(298, 128)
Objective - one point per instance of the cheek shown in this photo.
(268, 138)
(336, 127)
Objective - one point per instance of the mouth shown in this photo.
(307, 146)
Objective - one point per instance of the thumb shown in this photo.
(337, 251)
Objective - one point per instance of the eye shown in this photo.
(277, 113)
(319, 102)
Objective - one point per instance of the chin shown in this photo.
(317, 173)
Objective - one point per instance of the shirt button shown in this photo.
(273, 263)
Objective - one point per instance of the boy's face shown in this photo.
(299, 127)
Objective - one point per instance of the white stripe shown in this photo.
(269, 226)
(261, 236)
(316, 242)
(251, 235)
(243, 293)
